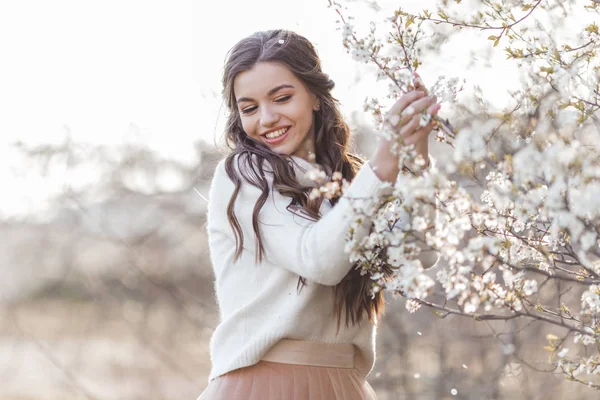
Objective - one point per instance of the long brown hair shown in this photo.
(332, 143)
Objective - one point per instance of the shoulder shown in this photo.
(242, 175)
(243, 165)
(252, 169)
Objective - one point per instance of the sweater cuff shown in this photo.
(367, 191)
(430, 167)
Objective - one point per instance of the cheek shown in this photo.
(248, 127)
(307, 119)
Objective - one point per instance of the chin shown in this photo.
(284, 150)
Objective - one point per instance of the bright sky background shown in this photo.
(99, 66)
(113, 71)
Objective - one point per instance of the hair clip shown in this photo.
(281, 41)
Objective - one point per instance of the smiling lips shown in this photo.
(277, 136)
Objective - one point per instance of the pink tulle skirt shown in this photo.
(296, 377)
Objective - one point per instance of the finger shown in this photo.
(434, 108)
(420, 134)
(414, 126)
(404, 101)
(417, 137)
(418, 105)
(419, 85)
(411, 126)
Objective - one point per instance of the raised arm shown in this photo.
(404, 118)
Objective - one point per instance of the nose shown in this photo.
(268, 117)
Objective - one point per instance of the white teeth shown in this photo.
(273, 135)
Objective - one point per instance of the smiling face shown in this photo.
(276, 108)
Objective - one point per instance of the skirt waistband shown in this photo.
(288, 351)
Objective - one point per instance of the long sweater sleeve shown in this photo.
(311, 249)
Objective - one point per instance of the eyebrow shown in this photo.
(271, 92)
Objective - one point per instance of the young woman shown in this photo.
(297, 320)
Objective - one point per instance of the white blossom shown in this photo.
(316, 175)
(530, 287)
(562, 353)
(515, 202)
(590, 299)
(412, 305)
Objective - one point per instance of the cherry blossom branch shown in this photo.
(533, 223)
(503, 28)
(442, 124)
(496, 317)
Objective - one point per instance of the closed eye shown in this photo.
(283, 99)
(250, 109)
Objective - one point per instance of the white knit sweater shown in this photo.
(259, 303)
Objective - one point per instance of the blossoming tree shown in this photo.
(514, 212)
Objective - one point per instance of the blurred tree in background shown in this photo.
(110, 296)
